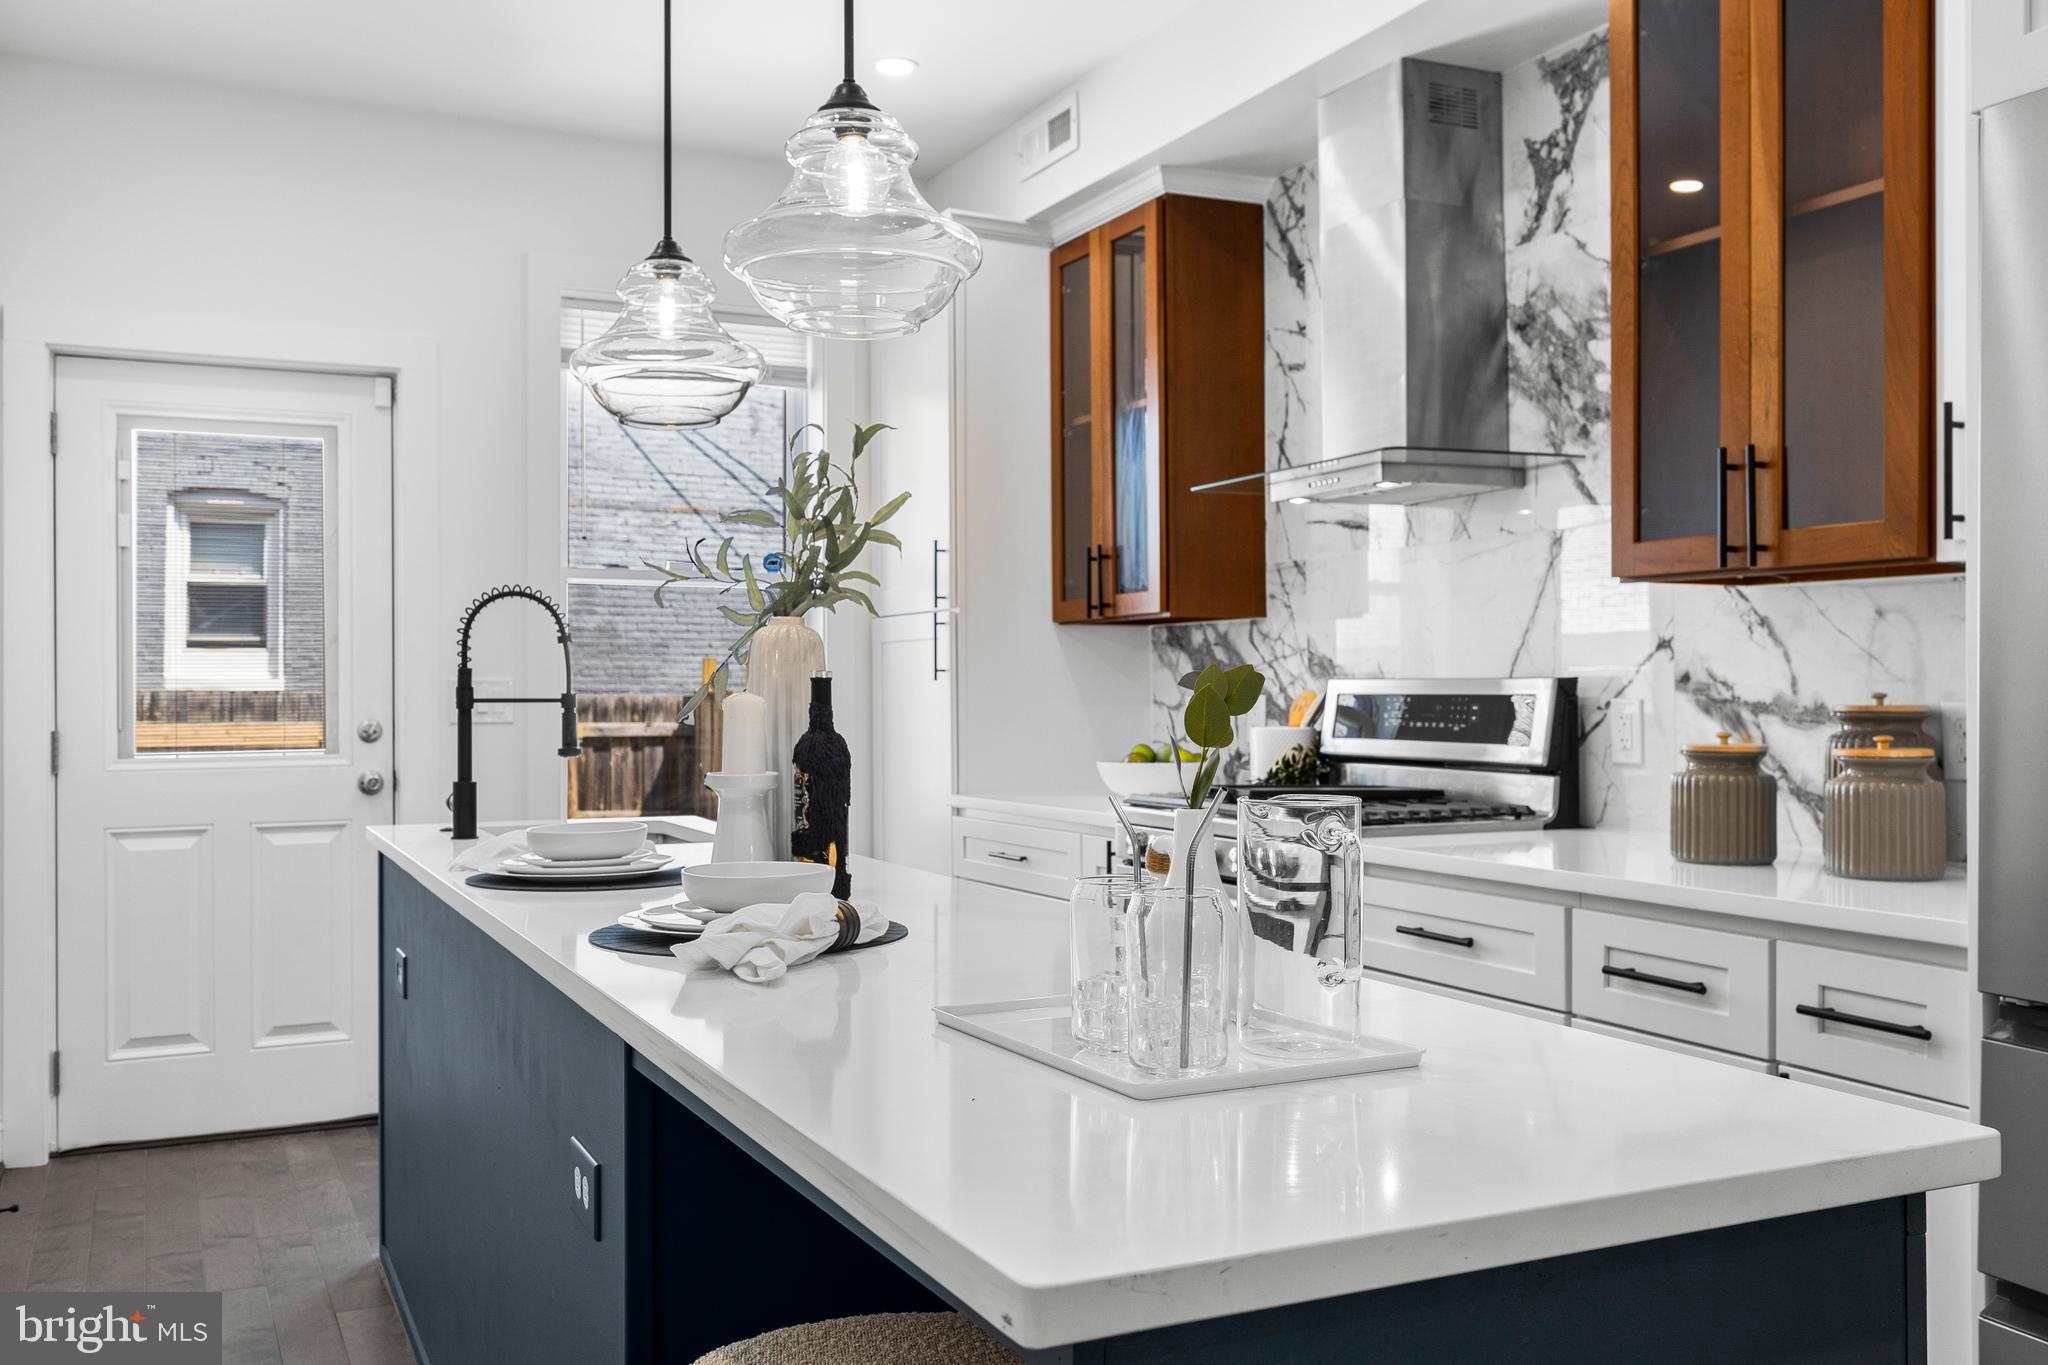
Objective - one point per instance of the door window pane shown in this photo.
(635, 497)
(1131, 366)
(226, 542)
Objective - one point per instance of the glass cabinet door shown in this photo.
(1678, 500)
(1130, 244)
(1077, 580)
(1844, 490)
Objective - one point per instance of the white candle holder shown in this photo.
(744, 829)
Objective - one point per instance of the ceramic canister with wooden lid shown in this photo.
(1858, 725)
(1724, 806)
(1884, 816)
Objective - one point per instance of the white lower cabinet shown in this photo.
(1672, 1045)
(1472, 940)
(1701, 986)
(1900, 1025)
(1416, 983)
(1021, 857)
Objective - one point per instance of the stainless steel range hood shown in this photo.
(1413, 263)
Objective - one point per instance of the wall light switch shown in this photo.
(486, 712)
(584, 1189)
(1625, 744)
(1955, 741)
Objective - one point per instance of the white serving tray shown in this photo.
(1040, 1029)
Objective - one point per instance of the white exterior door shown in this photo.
(911, 383)
(223, 662)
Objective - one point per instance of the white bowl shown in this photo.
(734, 886)
(585, 840)
(1141, 779)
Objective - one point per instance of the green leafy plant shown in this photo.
(1300, 766)
(824, 536)
(1216, 697)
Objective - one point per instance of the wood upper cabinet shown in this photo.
(1774, 411)
(1158, 385)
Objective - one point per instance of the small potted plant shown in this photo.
(1217, 696)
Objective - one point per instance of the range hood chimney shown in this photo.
(1413, 263)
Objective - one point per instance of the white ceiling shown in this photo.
(747, 71)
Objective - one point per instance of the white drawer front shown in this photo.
(1043, 861)
(1710, 1054)
(1824, 992)
(1495, 945)
(1699, 985)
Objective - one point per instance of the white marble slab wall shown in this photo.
(1518, 583)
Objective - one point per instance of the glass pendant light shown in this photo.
(851, 249)
(665, 361)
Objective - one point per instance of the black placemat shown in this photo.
(620, 939)
(492, 881)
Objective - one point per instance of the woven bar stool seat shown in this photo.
(874, 1339)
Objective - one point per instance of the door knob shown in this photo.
(369, 784)
(370, 731)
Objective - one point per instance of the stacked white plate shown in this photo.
(676, 920)
(533, 867)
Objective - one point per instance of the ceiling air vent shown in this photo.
(1051, 133)
(1455, 106)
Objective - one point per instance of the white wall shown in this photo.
(137, 198)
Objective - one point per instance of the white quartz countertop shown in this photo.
(1082, 810)
(1062, 1211)
(1636, 865)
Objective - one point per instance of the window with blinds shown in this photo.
(226, 589)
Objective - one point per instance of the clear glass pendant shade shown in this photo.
(665, 362)
(851, 249)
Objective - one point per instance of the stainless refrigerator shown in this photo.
(2011, 572)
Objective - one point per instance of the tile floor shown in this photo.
(284, 1226)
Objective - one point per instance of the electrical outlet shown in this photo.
(398, 971)
(584, 1189)
(1625, 721)
(1955, 741)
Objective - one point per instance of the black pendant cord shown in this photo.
(849, 95)
(666, 248)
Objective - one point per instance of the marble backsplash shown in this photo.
(1517, 582)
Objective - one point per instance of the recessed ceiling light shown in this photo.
(1687, 185)
(894, 66)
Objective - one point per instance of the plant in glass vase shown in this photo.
(1216, 697)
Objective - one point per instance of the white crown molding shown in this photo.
(1001, 229)
(1149, 184)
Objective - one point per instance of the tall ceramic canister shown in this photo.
(1884, 816)
(1724, 806)
(1858, 725)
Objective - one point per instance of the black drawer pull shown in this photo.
(1001, 856)
(1417, 931)
(1671, 983)
(1919, 1031)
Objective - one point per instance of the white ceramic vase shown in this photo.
(1207, 877)
(780, 662)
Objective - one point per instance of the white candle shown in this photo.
(746, 734)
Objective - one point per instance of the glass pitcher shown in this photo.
(1301, 893)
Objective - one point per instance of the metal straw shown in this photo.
(1116, 809)
(1186, 856)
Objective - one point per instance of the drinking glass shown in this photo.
(1301, 893)
(1180, 994)
(1098, 947)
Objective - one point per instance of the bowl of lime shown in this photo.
(1148, 770)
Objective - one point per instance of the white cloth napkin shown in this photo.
(488, 855)
(761, 942)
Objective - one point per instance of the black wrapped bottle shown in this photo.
(822, 790)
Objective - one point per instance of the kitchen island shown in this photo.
(823, 1146)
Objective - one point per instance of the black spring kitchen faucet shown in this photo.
(463, 800)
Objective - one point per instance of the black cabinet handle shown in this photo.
(1670, 983)
(1106, 607)
(1864, 1021)
(1750, 465)
(1949, 427)
(1417, 931)
(1003, 857)
(1721, 471)
(1094, 552)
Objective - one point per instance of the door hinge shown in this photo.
(56, 1073)
(53, 753)
(53, 433)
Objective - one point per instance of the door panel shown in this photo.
(1076, 541)
(223, 587)
(1131, 245)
